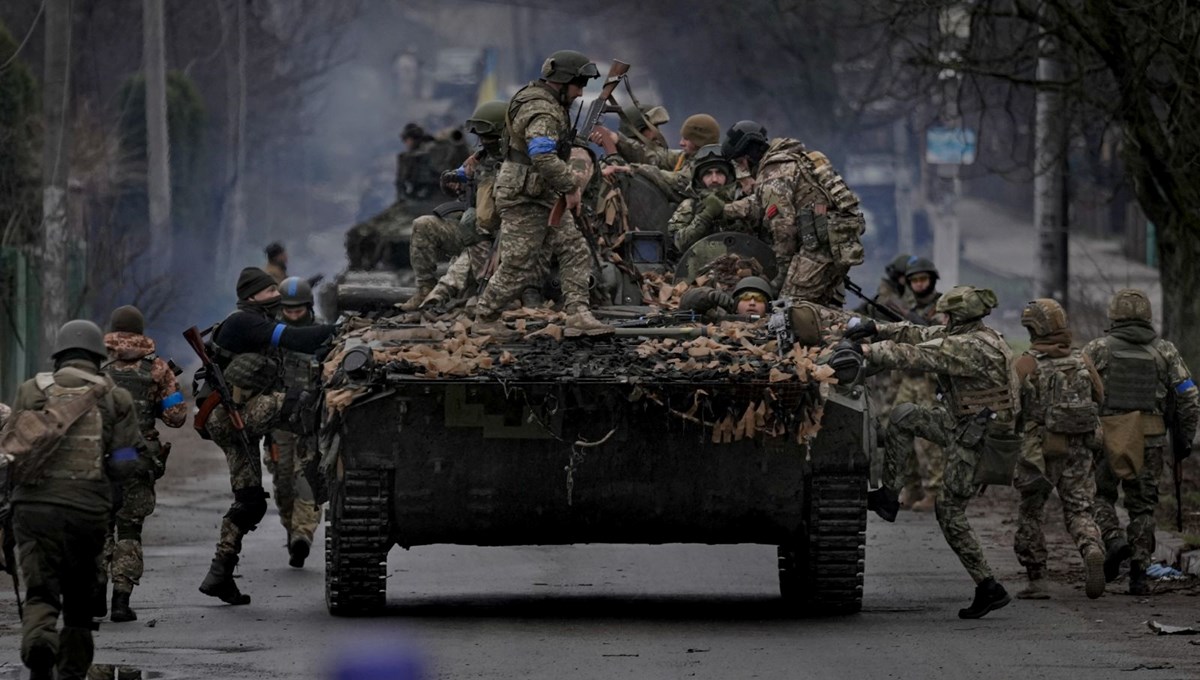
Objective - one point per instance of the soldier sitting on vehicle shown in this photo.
(703, 214)
(647, 145)
(698, 131)
(751, 297)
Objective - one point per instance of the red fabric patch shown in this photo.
(772, 211)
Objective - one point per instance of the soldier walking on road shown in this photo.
(972, 363)
(532, 179)
(61, 513)
(294, 497)
(1060, 420)
(134, 365)
(1139, 370)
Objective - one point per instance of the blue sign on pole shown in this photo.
(949, 146)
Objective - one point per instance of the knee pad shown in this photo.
(129, 531)
(249, 507)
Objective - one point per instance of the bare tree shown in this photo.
(55, 168)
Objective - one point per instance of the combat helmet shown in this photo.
(565, 66)
(488, 119)
(295, 292)
(1129, 304)
(1044, 317)
(921, 265)
(967, 303)
(127, 319)
(80, 334)
(642, 117)
(745, 138)
(752, 284)
(709, 157)
(898, 266)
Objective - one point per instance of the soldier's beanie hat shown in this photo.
(127, 319)
(701, 129)
(1129, 304)
(253, 280)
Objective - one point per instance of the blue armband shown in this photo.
(279, 328)
(1185, 386)
(124, 455)
(461, 173)
(173, 400)
(542, 145)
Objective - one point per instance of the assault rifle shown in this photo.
(885, 312)
(1181, 447)
(603, 103)
(221, 395)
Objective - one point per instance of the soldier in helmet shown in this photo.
(640, 139)
(751, 297)
(294, 498)
(1140, 370)
(671, 170)
(60, 515)
(892, 290)
(134, 365)
(1060, 417)
(702, 213)
(972, 365)
(531, 180)
(436, 238)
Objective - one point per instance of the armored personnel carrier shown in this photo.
(669, 430)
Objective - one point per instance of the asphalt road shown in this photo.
(674, 611)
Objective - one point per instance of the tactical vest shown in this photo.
(141, 386)
(298, 370)
(1000, 392)
(80, 453)
(1131, 380)
(1063, 403)
(518, 152)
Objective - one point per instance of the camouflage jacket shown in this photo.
(534, 171)
(636, 151)
(973, 364)
(126, 352)
(686, 227)
(675, 182)
(1171, 374)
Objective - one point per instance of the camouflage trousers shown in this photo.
(525, 236)
(1071, 475)
(298, 512)
(122, 558)
(823, 283)
(433, 240)
(245, 468)
(1141, 498)
(934, 423)
(461, 276)
(928, 466)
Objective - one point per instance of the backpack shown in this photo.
(30, 437)
(1065, 389)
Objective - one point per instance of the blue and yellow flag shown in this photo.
(489, 88)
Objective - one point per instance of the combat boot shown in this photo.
(927, 503)
(219, 582)
(910, 494)
(884, 502)
(1036, 588)
(120, 608)
(493, 327)
(1138, 585)
(414, 302)
(532, 298)
(989, 596)
(298, 550)
(583, 323)
(1093, 562)
(1116, 552)
(40, 661)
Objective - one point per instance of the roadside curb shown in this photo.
(1170, 548)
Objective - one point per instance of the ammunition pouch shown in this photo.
(1125, 440)
(813, 230)
(844, 235)
(1072, 418)
(516, 180)
(998, 456)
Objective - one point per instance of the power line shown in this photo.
(20, 47)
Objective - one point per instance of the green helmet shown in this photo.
(896, 268)
(967, 303)
(642, 118)
(1044, 317)
(709, 157)
(921, 265)
(488, 119)
(1129, 304)
(295, 292)
(752, 284)
(80, 334)
(566, 65)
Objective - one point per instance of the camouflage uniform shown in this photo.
(1138, 369)
(792, 195)
(294, 498)
(134, 365)
(972, 365)
(260, 413)
(635, 151)
(527, 186)
(436, 239)
(1060, 397)
(928, 466)
(686, 227)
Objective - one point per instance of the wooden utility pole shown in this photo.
(56, 101)
(158, 145)
(1049, 211)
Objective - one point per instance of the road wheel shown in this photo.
(356, 544)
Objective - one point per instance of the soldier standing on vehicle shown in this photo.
(245, 345)
(294, 497)
(277, 261)
(703, 212)
(532, 179)
(1139, 370)
(134, 365)
(435, 238)
(1060, 420)
(972, 363)
(61, 513)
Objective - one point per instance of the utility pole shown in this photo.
(1049, 209)
(56, 100)
(158, 145)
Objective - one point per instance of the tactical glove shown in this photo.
(865, 328)
(467, 233)
(451, 183)
(847, 361)
(299, 411)
(711, 206)
(702, 300)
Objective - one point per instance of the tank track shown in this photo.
(356, 545)
(821, 573)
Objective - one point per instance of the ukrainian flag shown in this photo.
(489, 88)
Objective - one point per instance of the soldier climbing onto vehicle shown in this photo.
(1142, 375)
(1061, 395)
(975, 419)
(134, 365)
